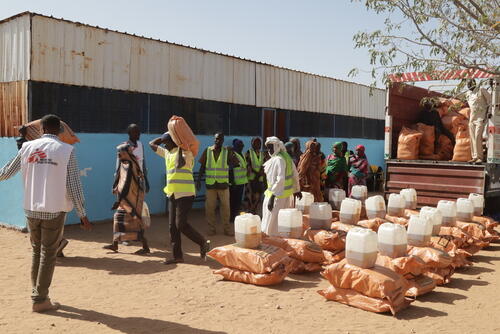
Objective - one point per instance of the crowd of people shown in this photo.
(267, 177)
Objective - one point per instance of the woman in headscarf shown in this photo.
(129, 189)
(336, 169)
(358, 168)
(283, 185)
(310, 172)
(296, 151)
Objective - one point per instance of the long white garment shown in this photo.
(275, 169)
(478, 100)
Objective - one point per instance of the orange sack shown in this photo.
(408, 144)
(453, 121)
(420, 285)
(182, 135)
(376, 282)
(448, 244)
(334, 257)
(302, 250)
(433, 257)
(428, 139)
(338, 226)
(275, 277)
(445, 148)
(465, 112)
(440, 275)
(300, 267)
(330, 240)
(34, 131)
(397, 220)
(462, 151)
(372, 224)
(263, 259)
(353, 298)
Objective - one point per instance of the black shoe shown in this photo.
(61, 246)
(142, 251)
(111, 248)
(60, 254)
(204, 249)
(173, 261)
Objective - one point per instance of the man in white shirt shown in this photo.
(51, 189)
(180, 190)
(134, 134)
(479, 99)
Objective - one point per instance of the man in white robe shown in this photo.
(275, 169)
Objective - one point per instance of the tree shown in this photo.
(431, 36)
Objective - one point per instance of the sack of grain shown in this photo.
(372, 224)
(302, 250)
(356, 299)
(453, 121)
(433, 258)
(462, 150)
(274, 277)
(263, 259)
(34, 131)
(397, 220)
(328, 240)
(420, 285)
(408, 144)
(182, 135)
(465, 112)
(445, 148)
(428, 138)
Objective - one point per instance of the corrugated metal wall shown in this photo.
(13, 106)
(70, 53)
(15, 49)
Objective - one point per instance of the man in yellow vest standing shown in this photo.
(215, 162)
(256, 183)
(282, 185)
(180, 191)
(239, 180)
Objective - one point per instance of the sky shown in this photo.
(311, 35)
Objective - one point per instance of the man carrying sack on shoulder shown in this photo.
(51, 188)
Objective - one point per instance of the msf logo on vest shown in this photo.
(40, 157)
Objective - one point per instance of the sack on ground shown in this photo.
(397, 220)
(334, 257)
(433, 257)
(372, 224)
(263, 259)
(329, 240)
(298, 249)
(274, 277)
(408, 144)
(377, 282)
(448, 244)
(440, 275)
(356, 299)
(407, 266)
(420, 286)
(338, 226)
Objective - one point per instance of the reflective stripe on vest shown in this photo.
(240, 173)
(178, 179)
(256, 162)
(288, 189)
(216, 171)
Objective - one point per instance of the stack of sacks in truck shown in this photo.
(393, 254)
(358, 282)
(249, 260)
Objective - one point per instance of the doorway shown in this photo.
(274, 123)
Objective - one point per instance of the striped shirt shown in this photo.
(73, 185)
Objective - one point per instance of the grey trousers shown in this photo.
(45, 237)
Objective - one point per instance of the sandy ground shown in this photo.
(102, 292)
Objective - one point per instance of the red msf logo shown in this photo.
(36, 156)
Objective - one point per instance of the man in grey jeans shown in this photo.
(51, 189)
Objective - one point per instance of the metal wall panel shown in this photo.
(186, 72)
(13, 107)
(15, 49)
(218, 77)
(244, 82)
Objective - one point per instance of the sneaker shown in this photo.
(62, 244)
(204, 249)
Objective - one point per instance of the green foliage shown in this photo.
(431, 36)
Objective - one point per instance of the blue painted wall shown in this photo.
(97, 158)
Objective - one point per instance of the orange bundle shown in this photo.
(330, 240)
(465, 112)
(453, 121)
(397, 220)
(334, 257)
(302, 250)
(427, 142)
(34, 131)
(342, 227)
(372, 224)
(462, 150)
(408, 144)
(440, 275)
(300, 267)
(445, 148)
(420, 285)
(356, 299)
(274, 277)
(448, 244)
(433, 257)
(182, 135)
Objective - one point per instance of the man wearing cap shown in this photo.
(180, 190)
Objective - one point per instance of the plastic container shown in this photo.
(478, 201)
(361, 247)
(290, 223)
(392, 240)
(320, 216)
(335, 198)
(419, 231)
(449, 211)
(247, 230)
(410, 196)
(350, 211)
(396, 205)
(375, 207)
(465, 209)
(359, 192)
(305, 202)
(435, 216)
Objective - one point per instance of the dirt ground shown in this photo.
(103, 292)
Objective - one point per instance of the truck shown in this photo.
(439, 180)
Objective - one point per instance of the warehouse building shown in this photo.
(99, 81)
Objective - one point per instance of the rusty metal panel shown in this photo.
(218, 76)
(244, 82)
(15, 44)
(13, 107)
(435, 182)
(186, 72)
